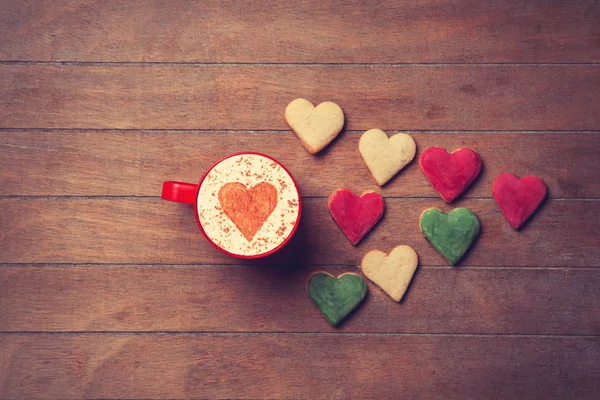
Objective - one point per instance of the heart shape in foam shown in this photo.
(392, 272)
(316, 126)
(384, 156)
(336, 297)
(451, 234)
(355, 215)
(247, 208)
(450, 173)
(518, 198)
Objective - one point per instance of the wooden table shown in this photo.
(106, 291)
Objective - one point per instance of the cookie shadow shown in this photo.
(534, 213)
(403, 171)
(477, 179)
(471, 248)
(410, 285)
(323, 153)
(352, 314)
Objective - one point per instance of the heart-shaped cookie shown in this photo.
(450, 174)
(315, 126)
(355, 215)
(392, 272)
(384, 156)
(247, 208)
(336, 297)
(518, 198)
(451, 234)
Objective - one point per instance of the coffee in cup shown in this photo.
(247, 204)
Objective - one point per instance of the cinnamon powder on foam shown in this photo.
(249, 170)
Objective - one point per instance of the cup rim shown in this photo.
(254, 256)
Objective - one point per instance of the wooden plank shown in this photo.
(268, 299)
(563, 233)
(86, 163)
(298, 366)
(437, 97)
(388, 31)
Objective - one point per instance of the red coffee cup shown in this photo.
(247, 204)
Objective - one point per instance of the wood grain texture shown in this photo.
(442, 97)
(298, 366)
(562, 233)
(103, 100)
(274, 299)
(332, 31)
(135, 163)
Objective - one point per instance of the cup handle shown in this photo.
(181, 192)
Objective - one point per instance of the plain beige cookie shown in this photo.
(384, 156)
(315, 126)
(391, 273)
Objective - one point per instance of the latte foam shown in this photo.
(249, 170)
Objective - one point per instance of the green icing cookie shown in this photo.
(336, 297)
(451, 234)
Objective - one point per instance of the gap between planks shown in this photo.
(281, 333)
(288, 131)
(101, 197)
(333, 266)
(293, 64)
(276, 64)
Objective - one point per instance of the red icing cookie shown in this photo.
(518, 198)
(450, 174)
(355, 215)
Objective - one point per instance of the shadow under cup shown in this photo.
(247, 205)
